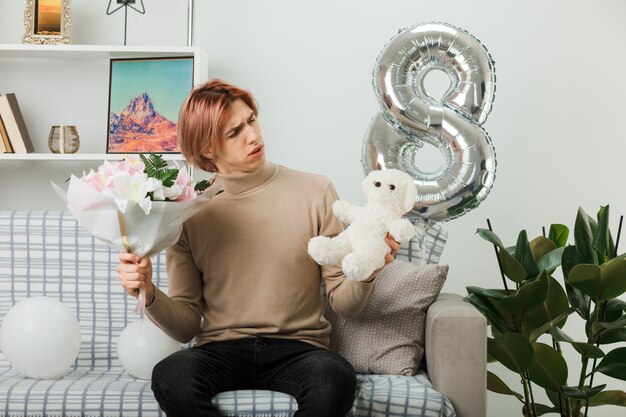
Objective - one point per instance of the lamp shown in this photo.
(125, 4)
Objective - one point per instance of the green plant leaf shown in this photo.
(528, 297)
(585, 349)
(541, 409)
(554, 304)
(548, 369)
(512, 350)
(201, 186)
(602, 325)
(558, 234)
(613, 278)
(490, 312)
(495, 384)
(612, 336)
(540, 247)
(602, 241)
(577, 299)
(514, 270)
(485, 292)
(490, 236)
(524, 255)
(583, 237)
(614, 364)
(587, 278)
(600, 282)
(551, 260)
(534, 335)
(581, 393)
(609, 397)
(616, 305)
(510, 266)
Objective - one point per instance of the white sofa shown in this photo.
(47, 253)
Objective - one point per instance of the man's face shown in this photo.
(240, 148)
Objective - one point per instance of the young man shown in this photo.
(240, 278)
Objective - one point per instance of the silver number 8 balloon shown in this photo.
(412, 118)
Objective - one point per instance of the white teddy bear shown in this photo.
(361, 248)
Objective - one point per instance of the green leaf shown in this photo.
(600, 282)
(554, 305)
(615, 305)
(495, 384)
(527, 298)
(524, 255)
(490, 312)
(548, 369)
(541, 246)
(558, 234)
(602, 241)
(581, 393)
(167, 176)
(614, 364)
(612, 336)
(577, 299)
(490, 236)
(609, 397)
(201, 186)
(512, 350)
(585, 349)
(551, 260)
(602, 325)
(613, 278)
(534, 335)
(541, 409)
(583, 237)
(514, 270)
(510, 266)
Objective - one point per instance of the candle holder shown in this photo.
(63, 139)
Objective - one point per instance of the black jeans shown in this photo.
(322, 382)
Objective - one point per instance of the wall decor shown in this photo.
(145, 96)
(47, 22)
(125, 4)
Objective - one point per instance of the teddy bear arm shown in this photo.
(402, 230)
(344, 211)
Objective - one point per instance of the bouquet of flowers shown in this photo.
(136, 205)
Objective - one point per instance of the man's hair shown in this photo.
(202, 118)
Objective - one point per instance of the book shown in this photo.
(5, 144)
(14, 124)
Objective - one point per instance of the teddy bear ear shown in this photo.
(410, 196)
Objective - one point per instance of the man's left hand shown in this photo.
(395, 246)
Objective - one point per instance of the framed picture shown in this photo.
(47, 22)
(145, 97)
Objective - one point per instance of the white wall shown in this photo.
(556, 124)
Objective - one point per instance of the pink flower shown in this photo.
(96, 180)
(188, 193)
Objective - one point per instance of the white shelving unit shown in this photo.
(93, 56)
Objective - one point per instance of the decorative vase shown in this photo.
(63, 139)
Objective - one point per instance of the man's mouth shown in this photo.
(256, 150)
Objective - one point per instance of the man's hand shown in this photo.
(395, 247)
(136, 273)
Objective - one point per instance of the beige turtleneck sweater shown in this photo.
(241, 267)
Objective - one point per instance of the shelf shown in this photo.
(75, 157)
(94, 51)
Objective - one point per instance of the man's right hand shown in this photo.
(136, 273)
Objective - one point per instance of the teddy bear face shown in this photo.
(390, 187)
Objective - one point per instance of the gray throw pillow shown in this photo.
(387, 337)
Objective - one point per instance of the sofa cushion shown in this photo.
(426, 247)
(387, 337)
(109, 392)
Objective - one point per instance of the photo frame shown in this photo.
(47, 22)
(145, 97)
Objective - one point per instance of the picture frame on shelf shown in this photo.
(145, 96)
(47, 22)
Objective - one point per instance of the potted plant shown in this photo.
(545, 282)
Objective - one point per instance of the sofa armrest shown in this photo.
(456, 353)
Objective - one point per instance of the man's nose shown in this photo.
(251, 133)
